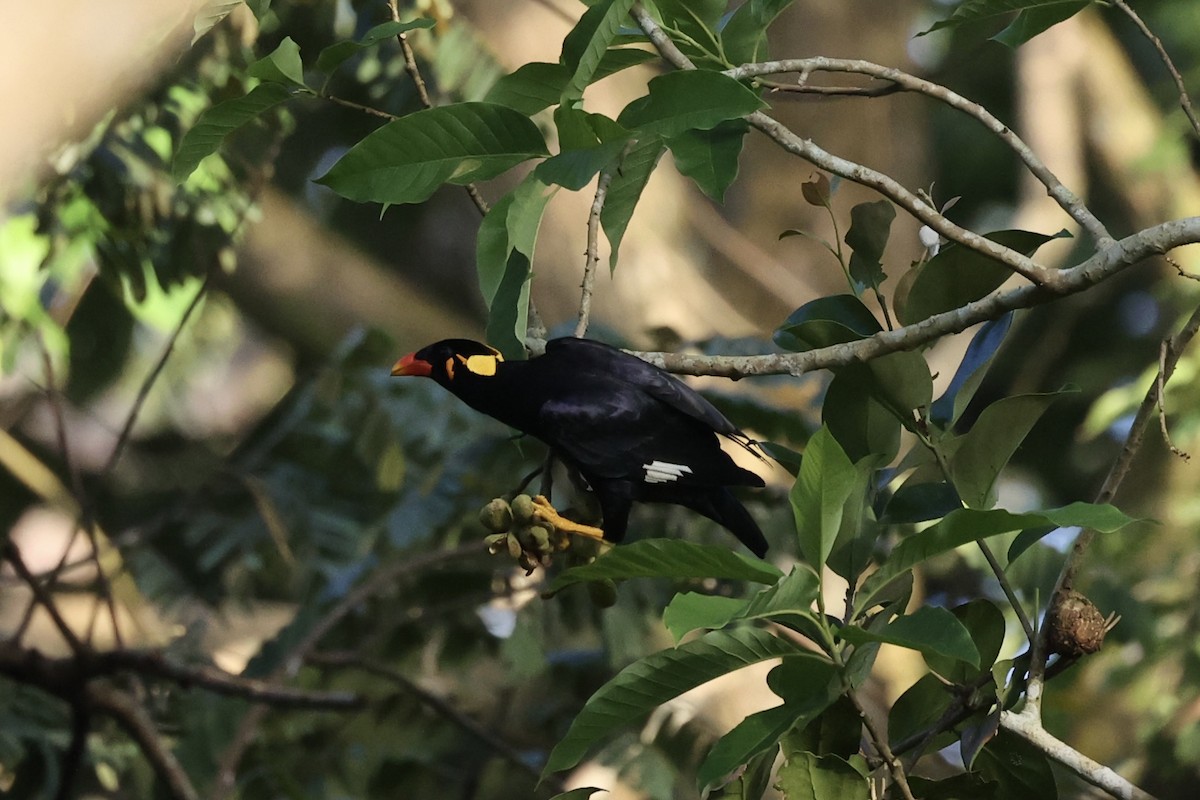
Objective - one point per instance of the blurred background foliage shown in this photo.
(275, 465)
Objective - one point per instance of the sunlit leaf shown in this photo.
(210, 130)
(406, 160)
(282, 65)
(826, 482)
(646, 684)
(986, 449)
(822, 778)
(670, 558)
(826, 321)
(688, 100)
(626, 189)
(710, 157)
(929, 630)
(808, 685)
(337, 53)
(584, 47)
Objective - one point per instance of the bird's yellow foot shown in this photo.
(548, 514)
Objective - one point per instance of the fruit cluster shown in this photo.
(518, 528)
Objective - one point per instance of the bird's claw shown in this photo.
(548, 514)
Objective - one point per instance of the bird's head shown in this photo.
(449, 359)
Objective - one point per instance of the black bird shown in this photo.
(631, 430)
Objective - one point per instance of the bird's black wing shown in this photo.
(614, 431)
(596, 356)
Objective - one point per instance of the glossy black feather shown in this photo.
(634, 432)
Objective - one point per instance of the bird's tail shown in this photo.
(719, 505)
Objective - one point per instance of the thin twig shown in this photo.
(1108, 490)
(592, 256)
(12, 555)
(1185, 102)
(879, 740)
(1162, 411)
(1006, 587)
(148, 383)
(73, 756)
(341, 101)
(903, 81)
(883, 90)
(436, 704)
(884, 184)
(385, 578)
(138, 724)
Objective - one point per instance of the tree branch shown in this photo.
(385, 578)
(879, 740)
(1185, 102)
(884, 184)
(140, 727)
(1066, 199)
(1029, 727)
(1108, 490)
(592, 256)
(1101, 266)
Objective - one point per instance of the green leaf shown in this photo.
(982, 10)
(791, 596)
(588, 144)
(531, 88)
(985, 622)
(918, 709)
(211, 13)
(508, 315)
(203, 139)
(964, 786)
(690, 611)
(929, 630)
(826, 481)
(826, 321)
(406, 160)
(966, 525)
(958, 275)
(870, 225)
(809, 777)
(336, 54)
(652, 681)
(625, 191)
(808, 685)
(920, 501)
(283, 65)
(1032, 21)
(583, 793)
(1102, 517)
(584, 47)
(986, 449)
(744, 37)
(1018, 767)
(505, 248)
(862, 425)
(670, 558)
(688, 100)
(984, 344)
(710, 158)
(539, 85)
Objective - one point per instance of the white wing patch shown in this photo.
(664, 472)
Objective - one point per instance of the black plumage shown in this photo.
(632, 431)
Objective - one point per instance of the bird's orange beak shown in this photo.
(411, 365)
